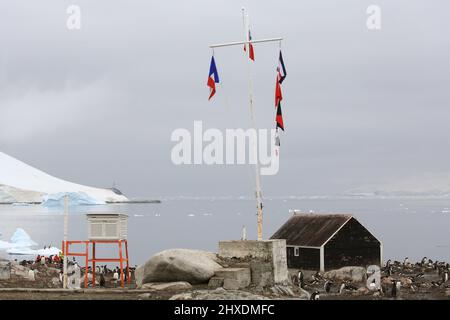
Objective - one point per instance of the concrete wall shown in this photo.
(268, 262)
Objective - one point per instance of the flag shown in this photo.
(281, 69)
(277, 138)
(278, 94)
(251, 54)
(279, 118)
(213, 78)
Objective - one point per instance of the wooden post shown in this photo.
(121, 264)
(86, 270)
(93, 264)
(128, 262)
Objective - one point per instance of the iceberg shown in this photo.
(20, 239)
(21, 183)
(75, 199)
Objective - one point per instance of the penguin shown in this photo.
(315, 296)
(394, 289)
(327, 286)
(398, 284)
(424, 260)
(300, 279)
(406, 261)
(102, 280)
(445, 276)
(342, 288)
(300, 276)
(388, 264)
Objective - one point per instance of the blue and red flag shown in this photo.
(213, 78)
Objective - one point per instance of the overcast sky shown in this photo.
(99, 104)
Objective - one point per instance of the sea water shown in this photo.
(409, 227)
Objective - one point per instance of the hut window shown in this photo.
(296, 251)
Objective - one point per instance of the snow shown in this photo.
(32, 252)
(20, 182)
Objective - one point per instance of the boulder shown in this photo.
(193, 266)
(352, 274)
(169, 286)
(5, 270)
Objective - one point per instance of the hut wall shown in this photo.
(308, 258)
(353, 245)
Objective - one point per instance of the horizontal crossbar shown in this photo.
(244, 42)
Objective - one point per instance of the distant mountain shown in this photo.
(20, 182)
(423, 185)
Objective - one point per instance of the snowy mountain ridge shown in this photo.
(20, 182)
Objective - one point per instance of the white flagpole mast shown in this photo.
(254, 149)
(66, 231)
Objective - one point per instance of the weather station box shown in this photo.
(107, 226)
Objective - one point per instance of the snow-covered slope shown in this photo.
(20, 182)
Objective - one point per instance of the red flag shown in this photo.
(251, 53)
(278, 94)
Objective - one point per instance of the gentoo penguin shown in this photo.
(315, 296)
(398, 284)
(102, 280)
(406, 261)
(300, 279)
(424, 260)
(388, 263)
(327, 286)
(445, 276)
(394, 289)
(342, 288)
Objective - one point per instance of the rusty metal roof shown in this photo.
(311, 230)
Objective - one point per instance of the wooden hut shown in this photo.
(328, 241)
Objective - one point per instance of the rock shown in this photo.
(193, 266)
(181, 296)
(31, 276)
(55, 281)
(362, 291)
(387, 281)
(353, 274)
(215, 282)
(19, 270)
(283, 290)
(406, 282)
(169, 286)
(5, 270)
(447, 292)
(144, 296)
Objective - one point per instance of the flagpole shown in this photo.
(254, 148)
(66, 231)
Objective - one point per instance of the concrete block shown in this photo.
(231, 284)
(215, 282)
(271, 254)
(241, 275)
(262, 273)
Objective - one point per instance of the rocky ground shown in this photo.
(411, 281)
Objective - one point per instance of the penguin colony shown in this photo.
(398, 278)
